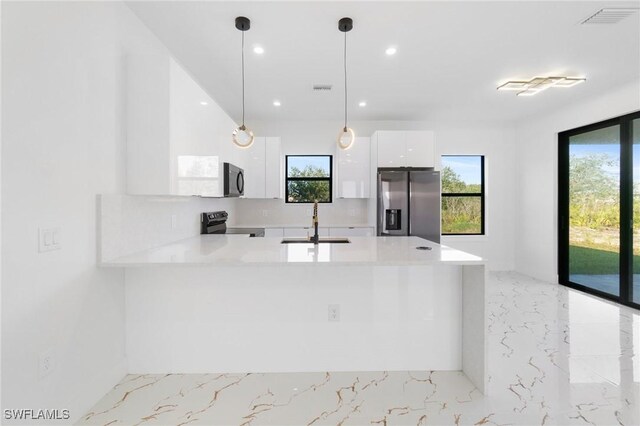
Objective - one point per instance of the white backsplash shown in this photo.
(132, 223)
(345, 212)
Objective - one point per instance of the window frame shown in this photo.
(625, 122)
(316, 179)
(480, 195)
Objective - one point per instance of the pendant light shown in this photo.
(242, 136)
(346, 135)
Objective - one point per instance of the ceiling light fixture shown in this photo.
(258, 49)
(242, 136)
(362, 104)
(391, 51)
(204, 103)
(276, 103)
(346, 135)
(538, 84)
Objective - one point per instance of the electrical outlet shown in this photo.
(174, 221)
(265, 213)
(46, 362)
(333, 312)
(48, 239)
(352, 212)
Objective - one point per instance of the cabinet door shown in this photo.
(274, 232)
(420, 149)
(391, 148)
(353, 165)
(305, 231)
(351, 232)
(253, 163)
(274, 179)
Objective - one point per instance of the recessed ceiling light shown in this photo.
(276, 103)
(391, 51)
(362, 104)
(258, 49)
(204, 103)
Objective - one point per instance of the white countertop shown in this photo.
(240, 250)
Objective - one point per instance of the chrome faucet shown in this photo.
(315, 239)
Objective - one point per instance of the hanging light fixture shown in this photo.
(346, 135)
(242, 136)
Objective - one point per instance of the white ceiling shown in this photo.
(451, 55)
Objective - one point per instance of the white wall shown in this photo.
(537, 175)
(493, 140)
(63, 142)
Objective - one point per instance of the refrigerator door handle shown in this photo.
(409, 205)
(380, 205)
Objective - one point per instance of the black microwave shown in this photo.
(233, 180)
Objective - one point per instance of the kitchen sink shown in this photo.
(323, 240)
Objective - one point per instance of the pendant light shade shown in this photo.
(242, 136)
(346, 135)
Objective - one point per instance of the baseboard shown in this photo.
(94, 389)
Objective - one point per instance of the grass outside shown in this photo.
(590, 261)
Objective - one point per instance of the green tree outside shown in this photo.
(460, 215)
(308, 191)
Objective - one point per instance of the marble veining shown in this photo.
(556, 356)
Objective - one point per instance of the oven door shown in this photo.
(233, 181)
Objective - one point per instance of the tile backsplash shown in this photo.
(276, 212)
(132, 223)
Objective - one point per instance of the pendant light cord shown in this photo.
(345, 80)
(242, 78)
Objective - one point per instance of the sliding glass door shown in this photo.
(635, 282)
(599, 194)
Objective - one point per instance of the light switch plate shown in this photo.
(49, 239)
(46, 362)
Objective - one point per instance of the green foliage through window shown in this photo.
(462, 194)
(308, 178)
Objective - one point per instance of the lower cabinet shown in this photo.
(305, 231)
(351, 232)
(274, 232)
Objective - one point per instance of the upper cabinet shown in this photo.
(177, 136)
(262, 164)
(274, 168)
(405, 148)
(353, 167)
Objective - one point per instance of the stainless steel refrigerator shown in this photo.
(409, 203)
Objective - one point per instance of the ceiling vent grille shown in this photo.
(322, 87)
(609, 16)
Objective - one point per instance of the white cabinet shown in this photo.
(305, 231)
(274, 178)
(352, 170)
(406, 148)
(262, 166)
(253, 163)
(177, 136)
(274, 232)
(420, 147)
(351, 231)
(391, 148)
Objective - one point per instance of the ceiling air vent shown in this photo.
(609, 16)
(322, 87)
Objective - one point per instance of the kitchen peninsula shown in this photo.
(224, 303)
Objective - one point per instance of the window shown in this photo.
(308, 178)
(462, 195)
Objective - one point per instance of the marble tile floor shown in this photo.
(556, 356)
